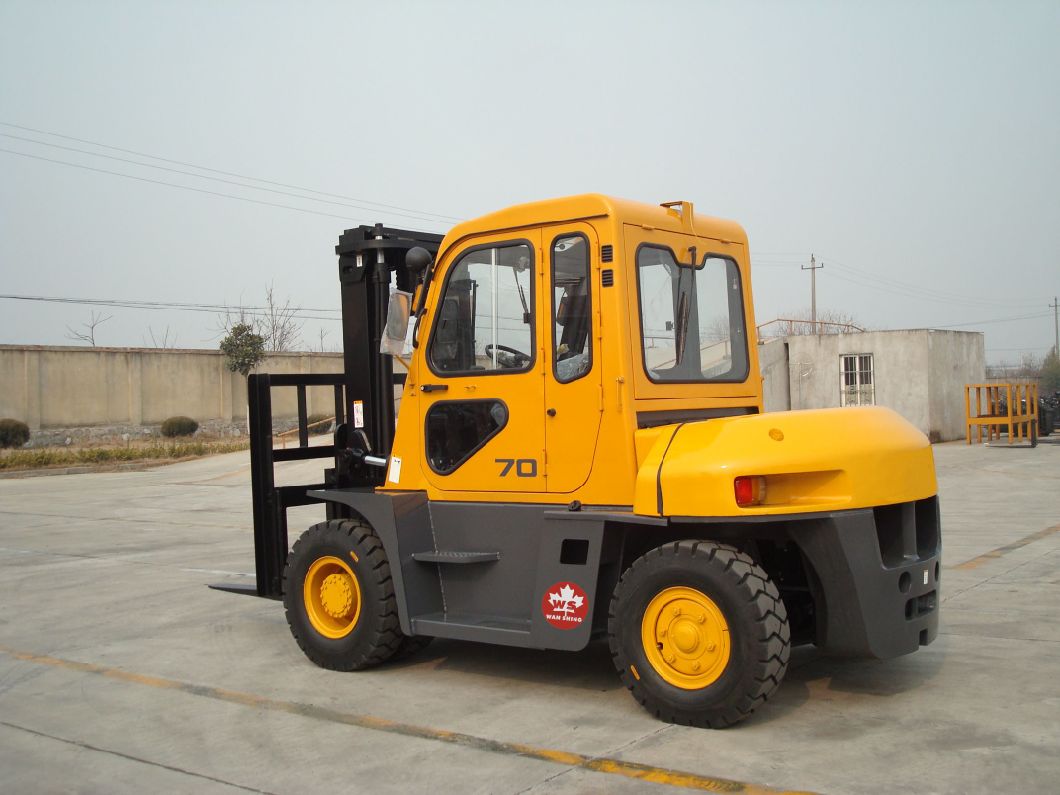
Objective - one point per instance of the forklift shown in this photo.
(581, 452)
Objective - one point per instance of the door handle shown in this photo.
(434, 387)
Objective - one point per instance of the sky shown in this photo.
(200, 152)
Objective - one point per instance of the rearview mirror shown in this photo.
(397, 334)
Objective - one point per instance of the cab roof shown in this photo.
(595, 205)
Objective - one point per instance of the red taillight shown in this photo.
(749, 490)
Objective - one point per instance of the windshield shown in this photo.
(691, 318)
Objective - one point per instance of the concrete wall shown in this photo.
(776, 381)
(920, 374)
(957, 358)
(48, 387)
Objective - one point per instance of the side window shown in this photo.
(485, 320)
(657, 280)
(722, 339)
(456, 430)
(572, 339)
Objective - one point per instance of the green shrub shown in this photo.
(13, 433)
(179, 426)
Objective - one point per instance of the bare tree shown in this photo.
(323, 333)
(277, 322)
(162, 340)
(236, 316)
(829, 321)
(1030, 367)
(89, 334)
(280, 325)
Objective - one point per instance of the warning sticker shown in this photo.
(565, 605)
(358, 414)
(394, 476)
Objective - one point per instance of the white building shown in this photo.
(919, 373)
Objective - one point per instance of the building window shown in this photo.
(856, 384)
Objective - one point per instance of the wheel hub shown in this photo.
(336, 595)
(686, 637)
(332, 597)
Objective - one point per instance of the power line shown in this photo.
(1025, 348)
(905, 289)
(182, 187)
(921, 295)
(225, 173)
(217, 179)
(917, 290)
(255, 311)
(995, 320)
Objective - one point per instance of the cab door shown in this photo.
(481, 402)
(573, 398)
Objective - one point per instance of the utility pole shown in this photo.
(1056, 325)
(814, 267)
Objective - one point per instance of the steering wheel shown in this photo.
(521, 359)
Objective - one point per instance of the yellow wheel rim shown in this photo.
(332, 597)
(686, 638)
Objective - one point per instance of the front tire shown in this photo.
(698, 633)
(339, 597)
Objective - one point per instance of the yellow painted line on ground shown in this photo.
(598, 764)
(993, 554)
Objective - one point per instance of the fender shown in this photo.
(872, 457)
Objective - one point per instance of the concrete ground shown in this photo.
(120, 671)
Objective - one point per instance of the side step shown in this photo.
(446, 556)
(474, 627)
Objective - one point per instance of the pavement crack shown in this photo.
(609, 754)
(112, 519)
(89, 747)
(998, 637)
(126, 561)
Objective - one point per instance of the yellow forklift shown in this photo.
(581, 451)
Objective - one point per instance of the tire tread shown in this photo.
(770, 629)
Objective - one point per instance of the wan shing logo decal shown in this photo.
(565, 605)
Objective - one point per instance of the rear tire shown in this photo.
(410, 645)
(698, 633)
(339, 596)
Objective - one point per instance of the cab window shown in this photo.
(572, 351)
(485, 321)
(691, 317)
(456, 430)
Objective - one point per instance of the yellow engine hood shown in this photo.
(821, 460)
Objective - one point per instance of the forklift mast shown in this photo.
(371, 259)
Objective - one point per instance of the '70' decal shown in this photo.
(524, 467)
